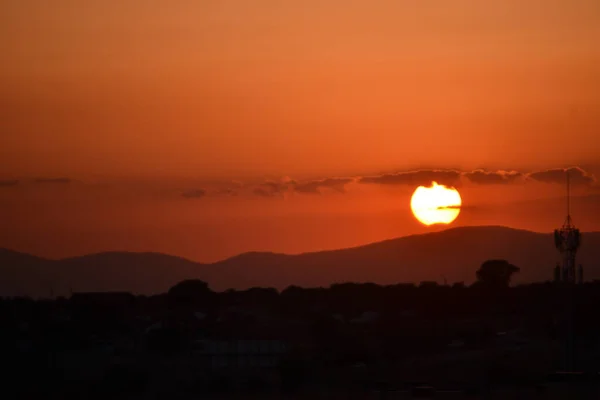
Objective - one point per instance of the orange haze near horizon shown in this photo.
(133, 125)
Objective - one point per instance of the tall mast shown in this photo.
(568, 196)
(567, 240)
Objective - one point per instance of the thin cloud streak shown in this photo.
(9, 183)
(195, 194)
(61, 181)
(314, 187)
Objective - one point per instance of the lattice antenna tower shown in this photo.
(567, 240)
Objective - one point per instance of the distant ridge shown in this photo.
(454, 253)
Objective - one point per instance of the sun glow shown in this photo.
(436, 204)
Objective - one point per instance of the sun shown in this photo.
(436, 204)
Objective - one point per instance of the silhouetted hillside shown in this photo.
(453, 255)
(23, 274)
(140, 273)
(143, 273)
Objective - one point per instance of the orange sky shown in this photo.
(139, 101)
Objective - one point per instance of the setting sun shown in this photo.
(437, 204)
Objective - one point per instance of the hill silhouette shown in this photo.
(452, 255)
(140, 273)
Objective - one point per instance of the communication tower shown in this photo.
(567, 240)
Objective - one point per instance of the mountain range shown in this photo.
(451, 255)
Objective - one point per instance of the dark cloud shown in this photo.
(448, 207)
(194, 194)
(313, 187)
(53, 180)
(274, 188)
(482, 177)
(577, 176)
(415, 178)
(449, 177)
(287, 185)
(227, 192)
(9, 183)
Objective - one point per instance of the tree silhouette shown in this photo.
(191, 291)
(496, 273)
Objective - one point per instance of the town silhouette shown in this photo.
(348, 340)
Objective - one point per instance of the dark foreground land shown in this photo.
(349, 341)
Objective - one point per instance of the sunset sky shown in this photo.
(208, 128)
